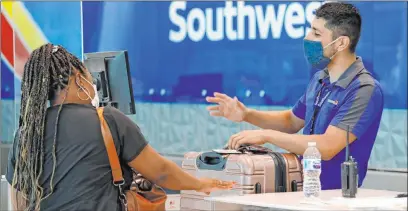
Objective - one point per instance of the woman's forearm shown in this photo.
(163, 171)
(174, 178)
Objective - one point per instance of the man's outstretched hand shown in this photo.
(229, 108)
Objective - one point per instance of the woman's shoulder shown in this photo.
(114, 112)
(120, 118)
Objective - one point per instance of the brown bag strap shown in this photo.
(110, 148)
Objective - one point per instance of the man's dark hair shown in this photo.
(46, 72)
(342, 19)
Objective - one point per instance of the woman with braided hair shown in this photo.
(59, 160)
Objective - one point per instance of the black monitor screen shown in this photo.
(111, 74)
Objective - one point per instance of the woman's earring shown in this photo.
(82, 89)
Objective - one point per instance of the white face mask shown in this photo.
(95, 100)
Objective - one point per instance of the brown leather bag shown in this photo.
(143, 194)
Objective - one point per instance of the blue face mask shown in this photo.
(314, 53)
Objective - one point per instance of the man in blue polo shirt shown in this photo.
(343, 94)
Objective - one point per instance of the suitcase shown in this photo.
(256, 170)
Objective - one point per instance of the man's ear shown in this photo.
(344, 43)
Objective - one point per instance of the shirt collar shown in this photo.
(348, 76)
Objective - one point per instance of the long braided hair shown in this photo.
(46, 73)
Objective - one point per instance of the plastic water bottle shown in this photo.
(311, 171)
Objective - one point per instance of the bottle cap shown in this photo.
(311, 144)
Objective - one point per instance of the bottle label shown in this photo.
(311, 164)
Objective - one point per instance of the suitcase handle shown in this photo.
(211, 161)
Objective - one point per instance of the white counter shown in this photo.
(5, 201)
(329, 200)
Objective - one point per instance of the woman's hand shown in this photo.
(208, 185)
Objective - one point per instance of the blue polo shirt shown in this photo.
(356, 101)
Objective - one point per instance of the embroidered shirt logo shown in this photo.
(334, 102)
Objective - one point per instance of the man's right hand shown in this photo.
(230, 108)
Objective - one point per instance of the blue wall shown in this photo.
(182, 51)
(172, 46)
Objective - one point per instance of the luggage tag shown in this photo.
(227, 151)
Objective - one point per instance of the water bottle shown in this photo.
(311, 171)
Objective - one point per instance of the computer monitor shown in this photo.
(111, 75)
